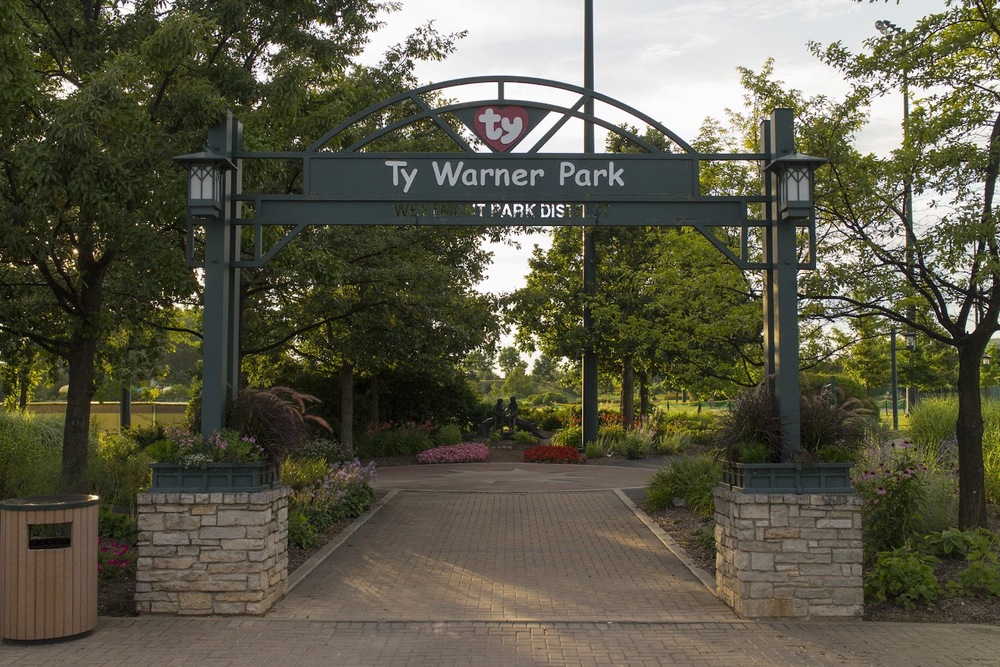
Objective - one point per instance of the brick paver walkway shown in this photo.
(563, 577)
(563, 556)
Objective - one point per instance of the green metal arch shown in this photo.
(415, 96)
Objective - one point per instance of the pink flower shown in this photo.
(881, 491)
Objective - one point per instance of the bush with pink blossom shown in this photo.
(470, 452)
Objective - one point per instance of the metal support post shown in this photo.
(221, 315)
(784, 292)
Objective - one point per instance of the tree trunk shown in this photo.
(644, 397)
(628, 393)
(969, 429)
(22, 399)
(80, 359)
(347, 405)
(76, 431)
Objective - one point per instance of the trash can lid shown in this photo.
(40, 503)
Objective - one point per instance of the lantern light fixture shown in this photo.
(205, 173)
(796, 183)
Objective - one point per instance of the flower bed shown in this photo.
(114, 559)
(324, 495)
(551, 454)
(473, 452)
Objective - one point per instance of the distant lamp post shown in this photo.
(205, 173)
(796, 183)
(899, 35)
(895, 382)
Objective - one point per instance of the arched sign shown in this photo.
(499, 175)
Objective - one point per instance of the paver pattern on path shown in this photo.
(563, 556)
(544, 569)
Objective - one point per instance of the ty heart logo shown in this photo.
(501, 127)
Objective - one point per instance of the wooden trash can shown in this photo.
(48, 566)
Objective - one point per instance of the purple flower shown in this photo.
(881, 491)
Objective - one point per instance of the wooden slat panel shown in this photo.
(48, 593)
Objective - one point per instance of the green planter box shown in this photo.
(212, 477)
(788, 477)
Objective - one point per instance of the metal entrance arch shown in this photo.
(499, 176)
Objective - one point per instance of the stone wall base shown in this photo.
(789, 556)
(212, 553)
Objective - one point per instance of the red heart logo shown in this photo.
(501, 127)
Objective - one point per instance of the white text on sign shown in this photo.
(447, 173)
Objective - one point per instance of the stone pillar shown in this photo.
(789, 556)
(212, 553)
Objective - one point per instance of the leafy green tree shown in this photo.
(509, 359)
(96, 99)
(936, 272)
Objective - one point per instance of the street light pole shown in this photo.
(589, 374)
(890, 29)
(895, 383)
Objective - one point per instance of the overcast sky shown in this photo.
(675, 61)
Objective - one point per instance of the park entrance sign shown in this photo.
(499, 176)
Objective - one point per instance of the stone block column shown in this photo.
(789, 556)
(212, 553)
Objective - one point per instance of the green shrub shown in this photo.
(691, 479)
(672, 443)
(299, 472)
(594, 451)
(145, 434)
(903, 576)
(610, 435)
(117, 526)
(301, 533)
(118, 470)
(550, 417)
(547, 398)
(570, 436)
(956, 544)
(753, 452)
(633, 445)
(390, 439)
(979, 577)
(30, 454)
(525, 438)
(449, 434)
(699, 427)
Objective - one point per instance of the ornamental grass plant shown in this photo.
(690, 480)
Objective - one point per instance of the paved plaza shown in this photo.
(506, 564)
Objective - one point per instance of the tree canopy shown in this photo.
(96, 98)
